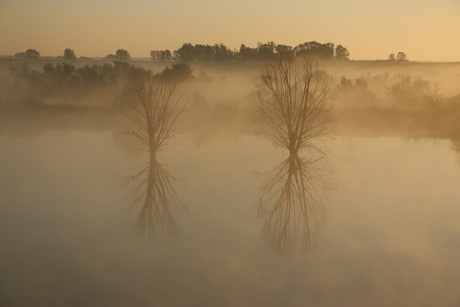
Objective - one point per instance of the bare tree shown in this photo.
(151, 120)
(153, 115)
(292, 98)
(293, 101)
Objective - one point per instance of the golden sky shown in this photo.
(426, 30)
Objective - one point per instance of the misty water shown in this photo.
(387, 233)
(262, 193)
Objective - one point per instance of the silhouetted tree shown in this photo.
(263, 51)
(341, 53)
(30, 54)
(284, 50)
(316, 50)
(69, 55)
(392, 57)
(166, 55)
(178, 72)
(401, 56)
(186, 53)
(266, 51)
(161, 55)
(112, 57)
(220, 53)
(204, 53)
(292, 98)
(154, 112)
(123, 54)
(247, 53)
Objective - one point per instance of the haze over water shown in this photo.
(147, 157)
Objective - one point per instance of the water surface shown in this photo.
(389, 234)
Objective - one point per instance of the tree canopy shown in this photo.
(264, 51)
(30, 54)
(69, 55)
(123, 54)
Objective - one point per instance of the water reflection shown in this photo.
(293, 200)
(293, 102)
(151, 119)
(455, 145)
(152, 189)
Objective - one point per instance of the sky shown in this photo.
(426, 30)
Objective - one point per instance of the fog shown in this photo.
(221, 98)
(292, 181)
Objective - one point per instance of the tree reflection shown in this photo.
(153, 190)
(293, 201)
(455, 145)
(151, 120)
(292, 99)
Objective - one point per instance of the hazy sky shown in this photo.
(423, 29)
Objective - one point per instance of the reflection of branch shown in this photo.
(154, 191)
(292, 202)
(455, 145)
(292, 99)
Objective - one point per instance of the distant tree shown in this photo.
(121, 66)
(401, 56)
(186, 53)
(48, 68)
(357, 94)
(341, 53)
(166, 55)
(154, 55)
(161, 55)
(20, 55)
(111, 57)
(411, 91)
(177, 73)
(345, 83)
(69, 55)
(247, 53)
(202, 53)
(267, 50)
(30, 54)
(284, 50)
(65, 68)
(316, 50)
(123, 54)
(221, 53)
(392, 57)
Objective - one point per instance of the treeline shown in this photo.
(263, 51)
(400, 91)
(66, 80)
(218, 53)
